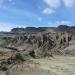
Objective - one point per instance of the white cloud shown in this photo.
(53, 3)
(12, 2)
(9, 26)
(63, 22)
(57, 3)
(5, 27)
(52, 6)
(48, 11)
(4, 3)
(69, 3)
(57, 23)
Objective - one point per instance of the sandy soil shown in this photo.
(58, 65)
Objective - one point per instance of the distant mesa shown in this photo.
(31, 29)
(41, 29)
(63, 27)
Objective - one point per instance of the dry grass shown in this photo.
(59, 65)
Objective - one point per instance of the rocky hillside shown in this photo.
(41, 29)
(21, 48)
(31, 29)
(39, 44)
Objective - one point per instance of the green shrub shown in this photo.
(19, 56)
(3, 67)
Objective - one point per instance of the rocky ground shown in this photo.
(58, 65)
(44, 53)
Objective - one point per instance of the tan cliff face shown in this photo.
(34, 42)
(42, 53)
(42, 44)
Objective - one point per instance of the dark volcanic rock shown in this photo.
(31, 29)
(62, 28)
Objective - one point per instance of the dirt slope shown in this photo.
(59, 65)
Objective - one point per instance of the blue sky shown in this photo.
(23, 13)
